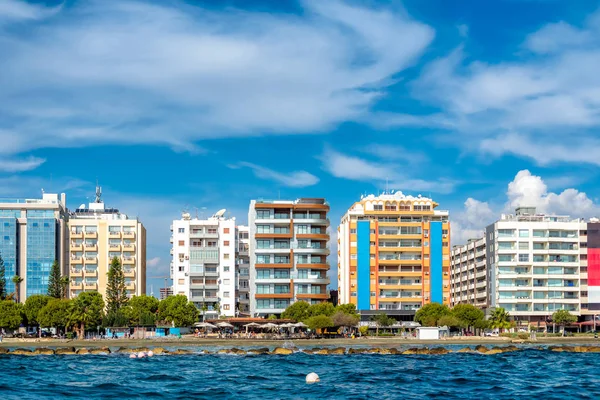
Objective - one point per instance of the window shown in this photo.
(263, 259)
(181, 268)
(181, 230)
(225, 269)
(226, 281)
(263, 244)
(225, 306)
(523, 245)
(226, 243)
(352, 231)
(523, 232)
(523, 257)
(506, 232)
(302, 229)
(283, 274)
(225, 230)
(182, 242)
(225, 294)
(378, 207)
(181, 281)
(263, 214)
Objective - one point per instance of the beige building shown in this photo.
(97, 235)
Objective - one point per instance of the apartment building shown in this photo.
(204, 262)
(98, 234)
(243, 270)
(165, 292)
(289, 245)
(469, 280)
(393, 254)
(535, 264)
(32, 237)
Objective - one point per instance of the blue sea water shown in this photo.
(531, 373)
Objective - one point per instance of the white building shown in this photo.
(289, 245)
(204, 261)
(243, 270)
(529, 264)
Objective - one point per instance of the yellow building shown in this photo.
(393, 254)
(96, 235)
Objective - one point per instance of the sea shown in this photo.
(524, 374)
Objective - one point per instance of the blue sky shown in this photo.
(204, 105)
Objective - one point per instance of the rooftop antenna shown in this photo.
(98, 193)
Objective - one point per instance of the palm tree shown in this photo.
(500, 319)
(64, 283)
(17, 281)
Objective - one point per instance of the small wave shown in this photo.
(163, 378)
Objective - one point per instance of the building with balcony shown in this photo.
(393, 255)
(289, 245)
(165, 292)
(97, 234)
(533, 265)
(243, 270)
(204, 263)
(32, 236)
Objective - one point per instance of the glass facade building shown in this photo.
(41, 249)
(9, 245)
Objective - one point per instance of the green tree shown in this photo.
(11, 314)
(349, 309)
(64, 284)
(141, 310)
(55, 288)
(116, 294)
(500, 319)
(17, 281)
(429, 314)
(55, 314)
(272, 317)
(451, 321)
(297, 311)
(324, 308)
(563, 318)
(341, 318)
(115, 319)
(177, 310)
(32, 307)
(468, 314)
(382, 321)
(319, 322)
(86, 311)
(3, 291)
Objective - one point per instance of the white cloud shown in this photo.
(463, 30)
(527, 106)
(397, 153)
(380, 174)
(525, 190)
(15, 10)
(153, 262)
(137, 72)
(291, 179)
(18, 165)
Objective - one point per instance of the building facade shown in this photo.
(535, 264)
(165, 292)
(393, 254)
(96, 236)
(204, 263)
(32, 237)
(289, 245)
(469, 275)
(243, 270)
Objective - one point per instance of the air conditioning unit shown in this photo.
(427, 235)
(186, 274)
(187, 257)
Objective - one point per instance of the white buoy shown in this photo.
(312, 378)
(150, 353)
(133, 355)
(141, 354)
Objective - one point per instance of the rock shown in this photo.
(337, 350)
(262, 350)
(356, 351)
(82, 351)
(22, 352)
(159, 350)
(481, 349)
(64, 351)
(558, 349)
(238, 351)
(495, 350)
(511, 348)
(586, 349)
(182, 352)
(412, 350)
(281, 351)
(100, 350)
(321, 352)
(517, 341)
(3, 350)
(439, 351)
(44, 351)
(388, 351)
(465, 350)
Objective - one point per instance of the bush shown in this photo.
(523, 335)
(363, 330)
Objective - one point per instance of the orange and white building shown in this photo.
(393, 254)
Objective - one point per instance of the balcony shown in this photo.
(91, 235)
(76, 260)
(76, 284)
(114, 235)
(91, 247)
(91, 258)
(128, 260)
(76, 235)
(204, 235)
(316, 296)
(320, 266)
(129, 272)
(274, 265)
(313, 236)
(130, 234)
(76, 272)
(91, 272)
(128, 247)
(76, 247)
(130, 285)
(114, 247)
(91, 285)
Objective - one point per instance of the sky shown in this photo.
(196, 106)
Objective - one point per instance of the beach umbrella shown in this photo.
(204, 325)
(270, 326)
(301, 325)
(224, 325)
(251, 324)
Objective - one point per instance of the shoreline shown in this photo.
(301, 343)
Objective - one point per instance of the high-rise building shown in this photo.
(32, 237)
(289, 245)
(243, 270)
(165, 292)
(97, 235)
(394, 255)
(531, 265)
(204, 262)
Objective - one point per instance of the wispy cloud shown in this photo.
(19, 165)
(379, 173)
(291, 179)
(174, 73)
